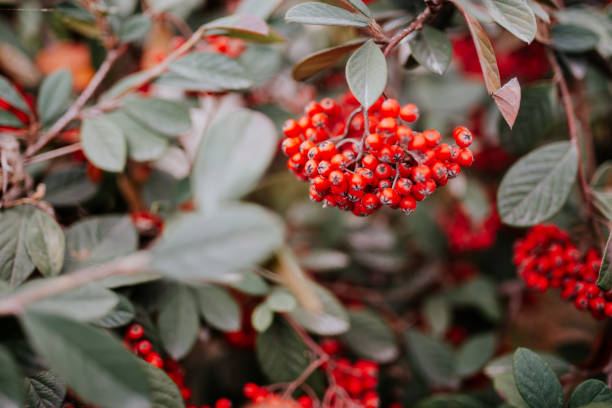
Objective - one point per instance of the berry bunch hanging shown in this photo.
(547, 258)
(361, 162)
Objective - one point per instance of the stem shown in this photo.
(52, 154)
(129, 265)
(76, 107)
(566, 100)
(417, 24)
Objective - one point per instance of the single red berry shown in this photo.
(407, 204)
(387, 125)
(432, 137)
(291, 146)
(465, 157)
(403, 186)
(369, 161)
(373, 141)
(313, 108)
(383, 171)
(418, 142)
(324, 168)
(154, 359)
(409, 113)
(320, 120)
(404, 135)
(306, 146)
(390, 197)
(370, 201)
(443, 152)
(250, 390)
(291, 128)
(462, 136)
(223, 403)
(390, 108)
(385, 154)
(305, 401)
(134, 332)
(144, 347)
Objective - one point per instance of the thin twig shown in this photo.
(52, 154)
(15, 303)
(76, 107)
(417, 24)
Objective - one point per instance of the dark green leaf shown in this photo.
(536, 187)
(370, 337)
(10, 120)
(515, 16)
(534, 120)
(44, 390)
(45, 243)
(219, 308)
(104, 143)
(164, 392)
(331, 320)
(604, 281)
(434, 358)
(161, 115)
(11, 391)
(450, 401)
(178, 320)
(15, 264)
(54, 94)
(536, 381)
(143, 143)
(97, 240)
(10, 95)
(235, 152)
(324, 59)
(135, 28)
(366, 73)
(324, 14)
(436, 312)
(229, 240)
(481, 294)
(590, 391)
(432, 49)
(214, 71)
(474, 354)
(122, 314)
(573, 38)
(85, 303)
(68, 186)
(78, 353)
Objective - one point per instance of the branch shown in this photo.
(417, 24)
(15, 303)
(52, 154)
(76, 107)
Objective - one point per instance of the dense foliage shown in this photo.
(339, 203)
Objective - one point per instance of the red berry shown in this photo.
(373, 141)
(387, 125)
(250, 390)
(390, 108)
(462, 136)
(432, 137)
(403, 186)
(465, 157)
(390, 197)
(134, 332)
(407, 204)
(291, 128)
(409, 113)
(144, 347)
(223, 403)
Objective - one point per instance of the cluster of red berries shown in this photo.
(547, 257)
(466, 235)
(357, 381)
(358, 169)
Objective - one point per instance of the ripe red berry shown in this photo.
(390, 108)
(134, 332)
(291, 146)
(409, 113)
(390, 197)
(465, 158)
(432, 137)
(403, 186)
(223, 403)
(407, 204)
(144, 347)
(291, 128)
(462, 136)
(387, 125)
(373, 141)
(250, 390)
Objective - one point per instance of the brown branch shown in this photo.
(15, 303)
(52, 154)
(76, 107)
(417, 24)
(568, 106)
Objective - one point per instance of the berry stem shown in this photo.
(416, 24)
(52, 154)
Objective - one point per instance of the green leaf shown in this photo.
(481, 294)
(10, 120)
(361, 7)
(104, 143)
(436, 312)
(330, 321)
(484, 49)
(143, 143)
(591, 19)
(281, 353)
(45, 243)
(573, 38)
(604, 281)
(98, 240)
(432, 49)
(370, 337)
(68, 186)
(219, 308)
(534, 121)
(251, 284)
(474, 354)
(120, 315)
(324, 59)
(161, 115)
(11, 392)
(233, 238)
(260, 8)
(164, 392)
(235, 152)
(215, 71)
(78, 353)
(178, 320)
(54, 94)
(280, 300)
(262, 63)
(515, 16)
(602, 179)
(262, 317)
(44, 390)
(434, 358)
(588, 392)
(85, 303)
(536, 381)
(249, 27)
(536, 187)
(450, 401)
(135, 28)
(366, 73)
(15, 264)
(10, 95)
(324, 14)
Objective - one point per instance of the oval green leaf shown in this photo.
(161, 115)
(178, 320)
(324, 14)
(366, 73)
(536, 381)
(104, 143)
(515, 16)
(53, 95)
(219, 308)
(46, 243)
(432, 49)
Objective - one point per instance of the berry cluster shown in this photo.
(464, 234)
(262, 397)
(359, 163)
(357, 381)
(547, 257)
